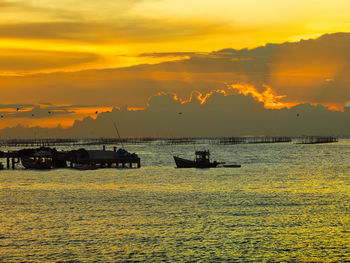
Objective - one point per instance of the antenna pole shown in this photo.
(116, 128)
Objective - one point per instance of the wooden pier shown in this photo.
(12, 158)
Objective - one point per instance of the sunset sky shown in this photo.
(61, 61)
(46, 36)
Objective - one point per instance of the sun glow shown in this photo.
(268, 97)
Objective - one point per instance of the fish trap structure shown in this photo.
(38, 142)
(50, 142)
(178, 141)
(317, 139)
(251, 140)
(120, 141)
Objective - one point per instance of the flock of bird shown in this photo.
(49, 112)
(96, 112)
(18, 109)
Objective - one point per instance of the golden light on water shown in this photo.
(287, 205)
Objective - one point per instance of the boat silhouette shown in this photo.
(202, 160)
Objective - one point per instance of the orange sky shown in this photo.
(46, 36)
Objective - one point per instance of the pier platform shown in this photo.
(50, 158)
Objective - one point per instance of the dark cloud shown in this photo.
(15, 106)
(25, 60)
(301, 70)
(232, 115)
(314, 71)
(122, 30)
(221, 115)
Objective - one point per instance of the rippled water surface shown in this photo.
(287, 203)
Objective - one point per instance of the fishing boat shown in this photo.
(41, 160)
(202, 161)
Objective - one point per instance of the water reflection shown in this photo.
(287, 203)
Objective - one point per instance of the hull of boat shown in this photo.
(184, 163)
(29, 163)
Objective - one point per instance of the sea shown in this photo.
(287, 203)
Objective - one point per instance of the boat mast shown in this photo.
(116, 128)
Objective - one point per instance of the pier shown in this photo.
(50, 158)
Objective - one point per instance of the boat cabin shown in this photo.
(202, 156)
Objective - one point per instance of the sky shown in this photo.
(63, 61)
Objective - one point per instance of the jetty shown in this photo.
(50, 158)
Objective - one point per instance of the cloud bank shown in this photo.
(220, 114)
(309, 71)
(305, 73)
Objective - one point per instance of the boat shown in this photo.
(38, 163)
(202, 161)
(40, 160)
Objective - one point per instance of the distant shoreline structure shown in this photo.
(172, 141)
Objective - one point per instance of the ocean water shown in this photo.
(288, 203)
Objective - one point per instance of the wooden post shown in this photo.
(8, 162)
